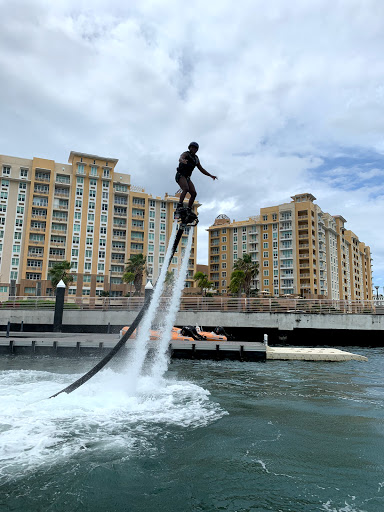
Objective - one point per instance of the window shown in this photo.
(101, 254)
(265, 227)
(102, 243)
(93, 171)
(92, 193)
(80, 180)
(79, 191)
(6, 170)
(19, 223)
(23, 173)
(265, 236)
(5, 183)
(224, 239)
(86, 291)
(266, 282)
(150, 247)
(75, 252)
(20, 209)
(224, 230)
(15, 262)
(162, 226)
(13, 275)
(266, 273)
(80, 168)
(100, 279)
(224, 256)
(223, 247)
(223, 265)
(224, 274)
(87, 266)
(266, 263)
(78, 203)
(91, 217)
(265, 245)
(16, 248)
(265, 254)
(88, 253)
(152, 203)
(77, 215)
(274, 216)
(91, 205)
(265, 217)
(105, 195)
(86, 279)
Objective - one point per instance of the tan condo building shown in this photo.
(300, 249)
(85, 212)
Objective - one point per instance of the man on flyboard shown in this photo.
(187, 162)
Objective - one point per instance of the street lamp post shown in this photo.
(109, 294)
(377, 292)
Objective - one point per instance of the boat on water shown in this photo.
(187, 333)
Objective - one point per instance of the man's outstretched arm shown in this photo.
(201, 169)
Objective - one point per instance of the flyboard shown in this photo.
(186, 218)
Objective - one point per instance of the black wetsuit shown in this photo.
(186, 169)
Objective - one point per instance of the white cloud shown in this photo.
(269, 90)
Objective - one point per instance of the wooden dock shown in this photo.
(90, 344)
(83, 344)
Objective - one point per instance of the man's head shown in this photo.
(193, 147)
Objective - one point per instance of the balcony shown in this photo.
(56, 256)
(41, 190)
(42, 177)
(305, 276)
(61, 193)
(303, 246)
(60, 219)
(138, 205)
(39, 216)
(58, 231)
(37, 242)
(63, 181)
(57, 244)
(304, 236)
(286, 237)
(120, 214)
(34, 267)
(304, 265)
(118, 225)
(39, 229)
(302, 217)
(35, 255)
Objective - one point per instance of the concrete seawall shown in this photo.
(280, 321)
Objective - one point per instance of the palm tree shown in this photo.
(237, 281)
(58, 271)
(202, 281)
(250, 269)
(128, 277)
(136, 265)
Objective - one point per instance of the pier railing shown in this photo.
(198, 303)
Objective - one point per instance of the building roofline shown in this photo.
(94, 157)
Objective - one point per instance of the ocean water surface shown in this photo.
(211, 436)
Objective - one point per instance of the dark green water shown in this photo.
(276, 436)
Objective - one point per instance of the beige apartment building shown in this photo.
(300, 249)
(85, 212)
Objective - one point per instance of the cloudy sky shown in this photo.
(283, 98)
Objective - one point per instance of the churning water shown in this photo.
(276, 436)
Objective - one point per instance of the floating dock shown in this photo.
(311, 354)
(69, 344)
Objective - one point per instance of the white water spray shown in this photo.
(160, 362)
(139, 352)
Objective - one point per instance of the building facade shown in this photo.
(300, 249)
(84, 212)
